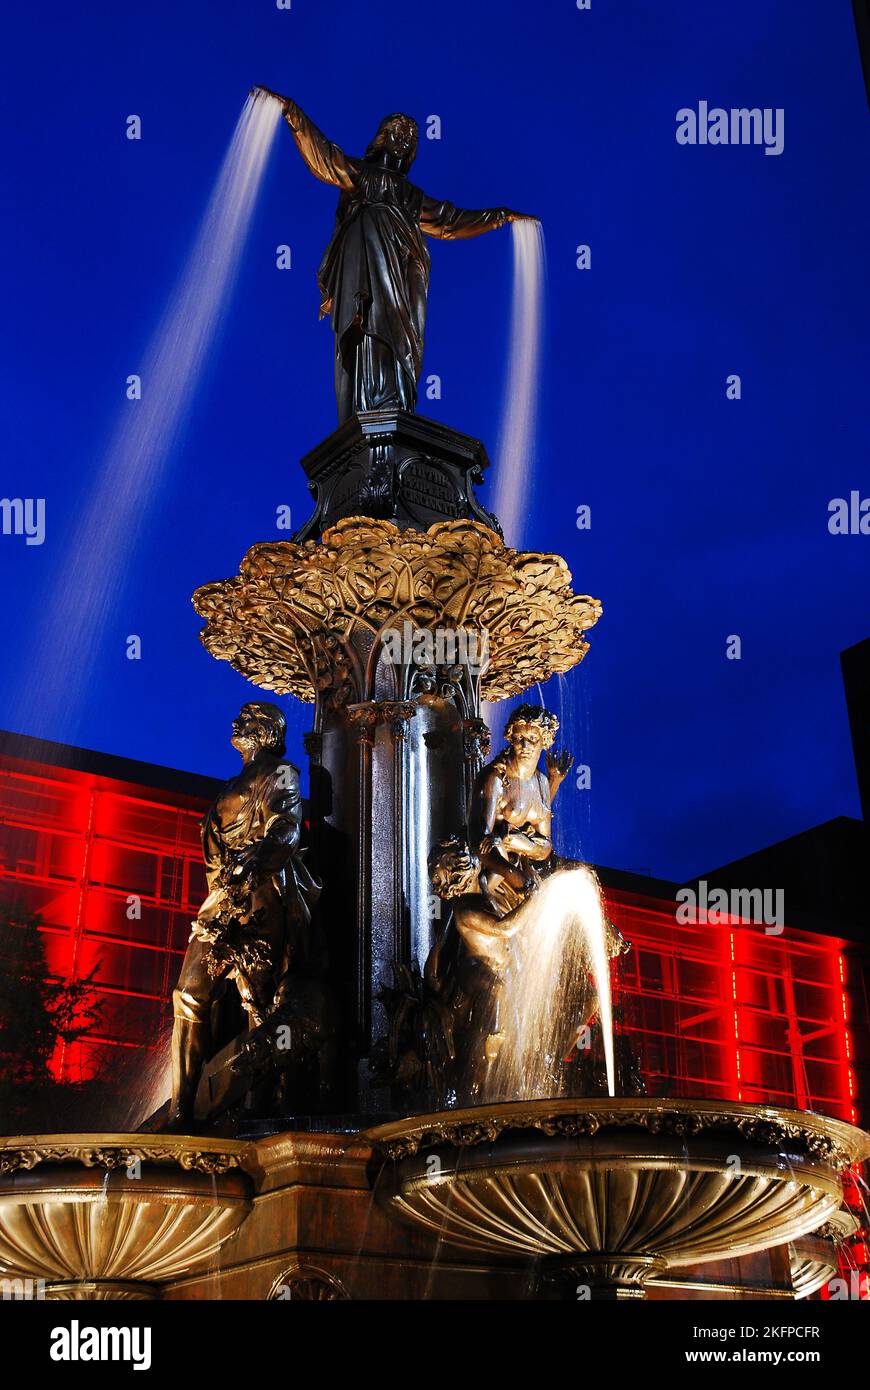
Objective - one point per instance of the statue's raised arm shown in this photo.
(374, 276)
(326, 160)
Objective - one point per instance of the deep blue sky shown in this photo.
(709, 517)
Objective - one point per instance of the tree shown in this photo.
(36, 1014)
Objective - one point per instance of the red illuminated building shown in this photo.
(107, 851)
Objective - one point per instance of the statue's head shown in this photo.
(259, 725)
(397, 135)
(530, 730)
(453, 869)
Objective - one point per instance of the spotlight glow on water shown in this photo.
(561, 939)
(102, 551)
(516, 449)
(516, 443)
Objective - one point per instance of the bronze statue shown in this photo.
(374, 276)
(489, 879)
(254, 928)
(509, 831)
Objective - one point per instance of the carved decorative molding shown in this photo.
(285, 621)
(309, 1284)
(477, 739)
(825, 1140)
(398, 714)
(366, 717)
(205, 1160)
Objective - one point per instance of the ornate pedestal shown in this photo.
(396, 636)
(398, 467)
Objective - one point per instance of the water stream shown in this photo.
(102, 551)
(563, 943)
(557, 983)
(516, 442)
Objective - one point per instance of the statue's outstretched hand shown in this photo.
(267, 91)
(558, 767)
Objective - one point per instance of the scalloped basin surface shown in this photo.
(678, 1181)
(70, 1212)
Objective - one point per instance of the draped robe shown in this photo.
(257, 814)
(374, 276)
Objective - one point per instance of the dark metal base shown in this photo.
(396, 467)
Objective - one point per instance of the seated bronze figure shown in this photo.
(490, 880)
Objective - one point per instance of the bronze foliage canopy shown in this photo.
(279, 620)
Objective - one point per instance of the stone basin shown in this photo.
(93, 1216)
(813, 1258)
(606, 1193)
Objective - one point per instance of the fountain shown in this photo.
(405, 1113)
(607, 1195)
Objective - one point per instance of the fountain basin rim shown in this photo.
(824, 1137)
(617, 1178)
(113, 1150)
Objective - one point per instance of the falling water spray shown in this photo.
(516, 437)
(516, 443)
(564, 940)
(124, 487)
(557, 980)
